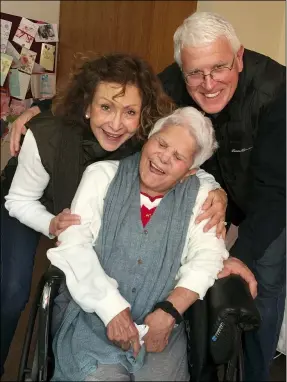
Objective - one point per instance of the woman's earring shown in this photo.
(87, 116)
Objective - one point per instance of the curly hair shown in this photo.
(123, 69)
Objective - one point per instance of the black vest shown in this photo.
(66, 149)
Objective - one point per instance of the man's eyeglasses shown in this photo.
(217, 74)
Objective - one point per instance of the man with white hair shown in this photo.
(243, 92)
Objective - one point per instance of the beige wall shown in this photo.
(260, 25)
(40, 10)
(282, 41)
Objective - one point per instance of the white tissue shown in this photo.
(142, 329)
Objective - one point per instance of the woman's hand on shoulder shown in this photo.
(62, 221)
(214, 209)
(18, 128)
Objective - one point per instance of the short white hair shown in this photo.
(200, 128)
(203, 28)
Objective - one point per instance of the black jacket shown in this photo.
(66, 149)
(242, 130)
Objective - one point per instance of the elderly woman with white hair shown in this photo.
(138, 261)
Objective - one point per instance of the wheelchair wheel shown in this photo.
(24, 373)
(42, 367)
(33, 375)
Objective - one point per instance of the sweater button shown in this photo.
(145, 231)
(134, 290)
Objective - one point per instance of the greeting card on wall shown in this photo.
(47, 33)
(25, 33)
(14, 85)
(38, 68)
(11, 51)
(6, 62)
(27, 60)
(24, 80)
(18, 83)
(43, 85)
(47, 56)
(5, 32)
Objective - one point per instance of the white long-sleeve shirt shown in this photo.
(89, 285)
(29, 183)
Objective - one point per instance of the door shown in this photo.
(145, 28)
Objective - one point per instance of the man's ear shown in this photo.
(239, 56)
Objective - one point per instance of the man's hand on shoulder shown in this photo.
(18, 128)
(235, 266)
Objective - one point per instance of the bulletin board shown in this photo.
(35, 47)
(28, 65)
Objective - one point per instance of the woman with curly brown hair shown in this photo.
(106, 112)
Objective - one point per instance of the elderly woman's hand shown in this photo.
(122, 331)
(18, 128)
(160, 326)
(214, 209)
(235, 266)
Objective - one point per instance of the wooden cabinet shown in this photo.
(145, 28)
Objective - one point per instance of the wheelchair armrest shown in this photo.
(231, 309)
(54, 274)
(230, 297)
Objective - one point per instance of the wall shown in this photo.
(260, 25)
(282, 42)
(39, 10)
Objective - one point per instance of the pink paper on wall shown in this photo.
(17, 106)
(5, 100)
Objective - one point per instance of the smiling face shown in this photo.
(166, 159)
(114, 119)
(212, 96)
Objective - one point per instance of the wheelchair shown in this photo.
(214, 328)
